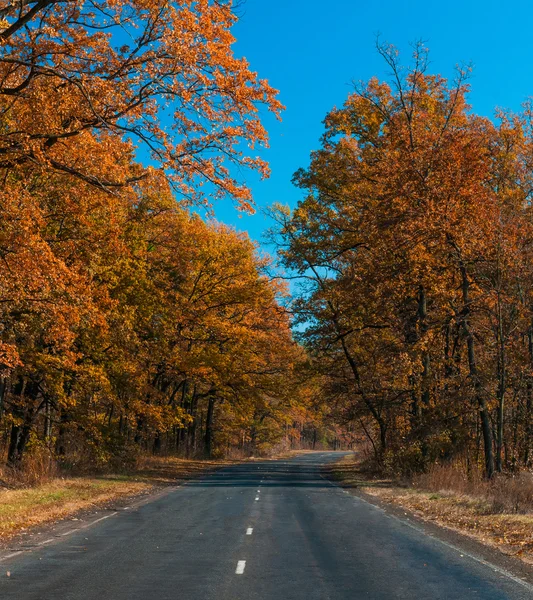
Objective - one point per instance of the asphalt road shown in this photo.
(264, 530)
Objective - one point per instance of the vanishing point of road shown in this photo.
(264, 530)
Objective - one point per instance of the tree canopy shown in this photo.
(414, 245)
(127, 321)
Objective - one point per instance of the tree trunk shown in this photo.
(47, 420)
(501, 400)
(423, 326)
(138, 431)
(529, 402)
(483, 409)
(209, 425)
(61, 436)
(3, 391)
(24, 413)
(156, 448)
(373, 410)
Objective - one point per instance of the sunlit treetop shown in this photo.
(159, 75)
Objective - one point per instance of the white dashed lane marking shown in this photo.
(240, 567)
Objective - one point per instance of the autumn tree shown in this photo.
(75, 76)
(411, 239)
(127, 323)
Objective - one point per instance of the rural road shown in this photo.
(263, 530)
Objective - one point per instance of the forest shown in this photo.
(131, 323)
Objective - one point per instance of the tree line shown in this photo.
(413, 246)
(126, 321)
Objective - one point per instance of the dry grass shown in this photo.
(503, 494)
(38, 468)
(59, 498)
(499, 514)
(25, 504)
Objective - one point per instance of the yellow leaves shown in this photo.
(283, 209)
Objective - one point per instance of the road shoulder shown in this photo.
(394, 501)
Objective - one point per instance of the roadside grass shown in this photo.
(488, 514)
(25, 506)
(57, 499)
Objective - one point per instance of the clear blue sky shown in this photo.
(313, 50)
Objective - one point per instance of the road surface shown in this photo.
(263, 530)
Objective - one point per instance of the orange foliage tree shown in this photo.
(75, 76)
(127, 323)
(414, 243)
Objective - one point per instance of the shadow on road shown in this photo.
(308, 474)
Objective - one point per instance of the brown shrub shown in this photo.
(503, 494)
(511, 493)
(447, 477)
(37, 467)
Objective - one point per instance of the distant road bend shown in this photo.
(263, 530)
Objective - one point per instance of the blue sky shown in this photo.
(313, 50)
